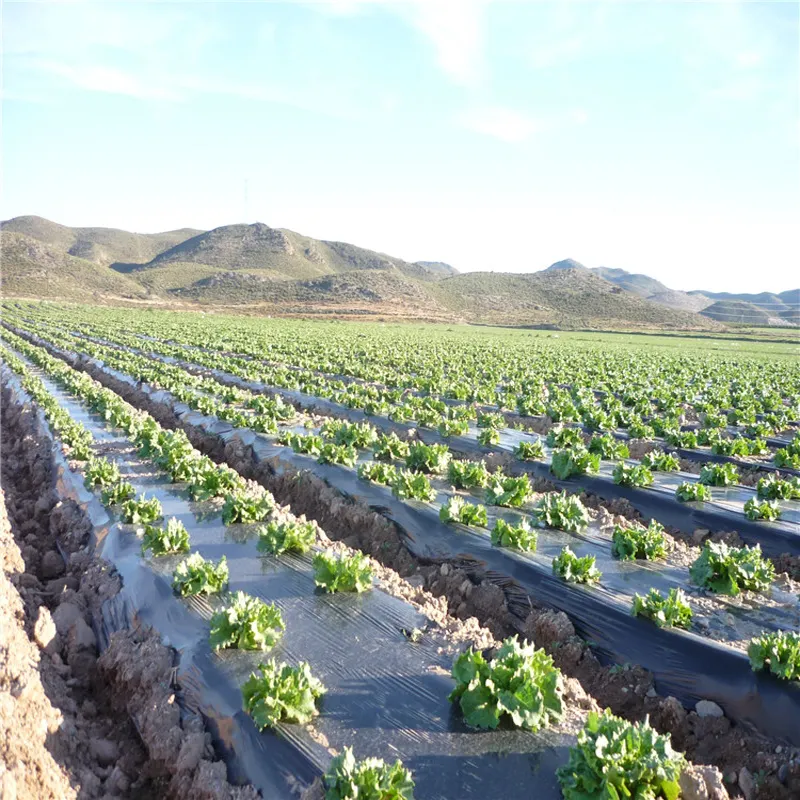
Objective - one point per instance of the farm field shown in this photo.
(471, 553)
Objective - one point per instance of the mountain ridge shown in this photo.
(275, 270)
(763, 308)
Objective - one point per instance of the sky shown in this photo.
(659, 137)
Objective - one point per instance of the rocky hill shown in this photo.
(753, 309)
(273, 270)
(99, 245)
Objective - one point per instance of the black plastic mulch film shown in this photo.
(387, 695)
(684, 665)
(724, 513)
(657, 501)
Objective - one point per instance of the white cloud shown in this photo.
(505, 124)
(455, 29)
(749, 58)
(512, 125)
(98, 78)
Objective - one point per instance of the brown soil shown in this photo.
(627, 691)
(61, 731)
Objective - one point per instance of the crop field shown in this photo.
(396, 561)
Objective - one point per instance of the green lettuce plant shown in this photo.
(290, 536)
(194, 575)
(342, 573)
(520, 536)
(632, 542)
(574, 569)
(520, 683)
(370, 779)
(617, 759)
(281, 693)
(729, 570)
(672, 611)
(246, 623)
(456, 509)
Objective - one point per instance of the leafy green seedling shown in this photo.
(281, 693)
(608, 447)
(772, 487)
(672, 611)
(409, 485)
(520, 683)
(659, 461)
(291, 536)
(338, 454)
(370, 779)
(574, 569)
(246, 623)
(343, 573)
(729, 570)
(467, 474)
(764, 509)
(632, 542)
(174, 538)
(247, 506)
(488, 437)
(718, 474)
(632, 475)
(617, 759)
(688, 492)
(194, 575)
(117, 493)
(456, 509)
(574, 461)
(390, 448)
(562, 511)
(378, 472)
(141, 511)
(101, 472)
(529, 451)
(777, 651)
(520, 536)
(504, 490)
(429, 458)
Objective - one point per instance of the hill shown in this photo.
(32, 268)
(640, 284)
(437, 267)
(783, 307)
(274, 270)
(772, 309)
(572, 296)
(284, 253)
(101, 245)
(682, 301)
(736, 311)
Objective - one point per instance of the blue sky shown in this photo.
(653, 136)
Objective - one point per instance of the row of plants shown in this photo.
(276, 692)
(430, 412)
(570, 458)
(559, 511)
(519, 683)
(729, 384)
